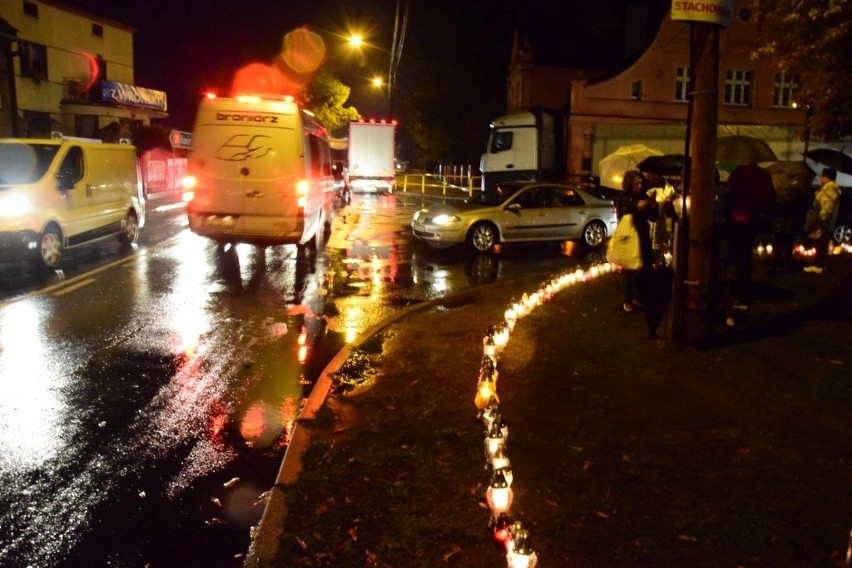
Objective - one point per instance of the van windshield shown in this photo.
(25, 163)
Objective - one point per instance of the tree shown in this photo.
(812, 40)
(325, 96)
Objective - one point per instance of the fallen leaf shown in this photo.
(587, 465)
(302, 543)
(353, 533)
(231, 483)
(743, 451)
(625, 458)
(451, 553)
(602, 515)
(687, 538)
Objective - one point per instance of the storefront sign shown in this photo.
(180, 139)
(709, 11)
(131, 95)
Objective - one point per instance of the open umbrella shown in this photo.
(789, 178)
(612, 167)
(665, 165)
(732, 151)
(840, 161)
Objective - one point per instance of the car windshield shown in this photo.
(496, 195)
(25, 163)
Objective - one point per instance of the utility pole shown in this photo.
(692, 318)
(698, 319)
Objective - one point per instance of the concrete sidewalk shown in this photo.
(625, 451)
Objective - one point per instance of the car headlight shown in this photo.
(14, 205)
(444, 219)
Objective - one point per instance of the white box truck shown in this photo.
(372, 156)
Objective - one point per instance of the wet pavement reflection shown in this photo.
(146, 398)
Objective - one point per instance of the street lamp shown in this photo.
(399, 27)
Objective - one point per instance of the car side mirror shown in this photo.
(514, 207)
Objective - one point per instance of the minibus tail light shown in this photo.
(302, 188)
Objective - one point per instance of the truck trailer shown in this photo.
(372, 156)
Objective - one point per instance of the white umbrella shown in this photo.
(612, 167)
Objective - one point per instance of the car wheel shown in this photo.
(129, 230)
(843, 234)
(594, 234)
(50, 247)
(482, 237)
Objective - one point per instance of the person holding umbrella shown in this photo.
(821, 218)
(750, 201)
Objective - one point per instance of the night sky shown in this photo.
(456, 53)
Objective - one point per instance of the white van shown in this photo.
(259, 172)
(59, 194)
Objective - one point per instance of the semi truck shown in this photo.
(372, 156)
(527, 145)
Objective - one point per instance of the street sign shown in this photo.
(707, 11)
(180, 139)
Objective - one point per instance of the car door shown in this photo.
(565, 211)
(79, 215)
(525, 218)
(105, 178)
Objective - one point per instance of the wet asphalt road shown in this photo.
(147, 397)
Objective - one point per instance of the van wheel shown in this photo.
(129, 230)
(50, 247)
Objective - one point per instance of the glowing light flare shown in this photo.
(94, 71)
(261, 80)
(303, 186)
(303, 50)
(484, 393)
(351, 334)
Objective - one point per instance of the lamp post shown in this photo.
(395, 54)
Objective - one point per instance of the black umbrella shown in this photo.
(741, 150)
(665, 165)
(840, 161)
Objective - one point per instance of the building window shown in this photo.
(33, 61)
(784, 94)
(636, 90)
(682, 84)
(738, 88)
(97, 30)
(30, 9)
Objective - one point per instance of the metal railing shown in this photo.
(448, 183)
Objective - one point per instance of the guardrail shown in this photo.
(435, 184)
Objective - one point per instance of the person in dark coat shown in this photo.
(750, 202)
(643, 208)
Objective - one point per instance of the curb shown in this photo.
(265, 536)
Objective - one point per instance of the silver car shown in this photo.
(518, 212)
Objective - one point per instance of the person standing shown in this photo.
(750, 201)
(643, 209)
(821, 218)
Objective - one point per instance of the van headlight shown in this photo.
(14, 205)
